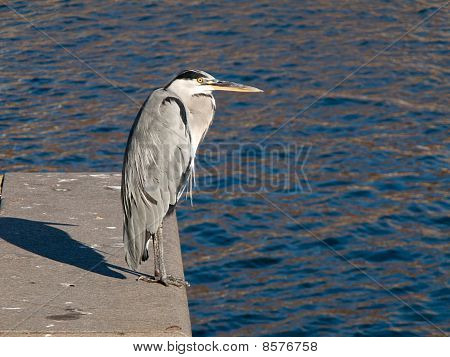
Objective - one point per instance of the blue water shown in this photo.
(357, 244)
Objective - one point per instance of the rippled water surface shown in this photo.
(362, 250)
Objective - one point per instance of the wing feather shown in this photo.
(156, 167)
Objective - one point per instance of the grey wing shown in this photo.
(156, 166)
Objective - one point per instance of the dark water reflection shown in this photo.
(378, 165)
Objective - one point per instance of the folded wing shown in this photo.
(157, 167)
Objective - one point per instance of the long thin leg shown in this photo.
(156, 256)
(160, 268)
(159, 257)
(147, 278)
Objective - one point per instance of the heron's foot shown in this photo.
(148, 279)
(166, 281)
(171, 280)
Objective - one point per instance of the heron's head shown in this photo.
(193, 81)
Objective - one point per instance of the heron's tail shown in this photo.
(135, 238)
(145, 253)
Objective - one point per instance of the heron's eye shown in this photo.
(200, 80)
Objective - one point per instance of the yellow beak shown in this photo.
(231, 87)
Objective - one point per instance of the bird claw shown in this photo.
(178, 282)
(166, 281)
(147, 279)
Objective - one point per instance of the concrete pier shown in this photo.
(62, 262)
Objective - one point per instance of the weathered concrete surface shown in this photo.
(62, 262)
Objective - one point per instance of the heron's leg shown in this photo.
(156, 256)
(160, 268)
(147, 278)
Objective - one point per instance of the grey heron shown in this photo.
(159, 161)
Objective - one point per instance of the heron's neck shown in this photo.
(201, 108)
